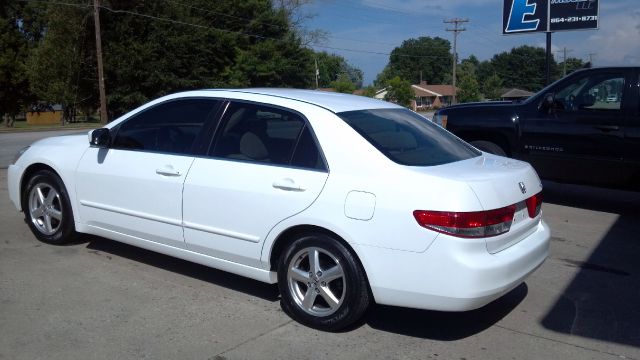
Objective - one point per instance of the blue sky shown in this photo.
(366, 27)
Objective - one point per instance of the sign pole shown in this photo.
(548, 70)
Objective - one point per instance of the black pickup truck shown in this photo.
(584, 128)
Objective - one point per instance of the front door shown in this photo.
(135, 186)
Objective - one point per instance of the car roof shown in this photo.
(335, 102)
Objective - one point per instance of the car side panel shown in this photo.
(230, 206)
(128, 192)
(61, 153)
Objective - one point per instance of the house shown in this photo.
(431, 96)
(515, 94)
(426, 96)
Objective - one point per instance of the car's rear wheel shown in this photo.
(490, 147)
(47, 209)
(322, 284)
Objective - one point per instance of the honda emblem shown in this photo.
(522, 187)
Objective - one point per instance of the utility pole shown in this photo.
(103, 96)
(564, 60)
(591, 55)
(456, 22)
(317, 74)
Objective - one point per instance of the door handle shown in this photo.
(607, 128)
(168, 170)
(287, 185)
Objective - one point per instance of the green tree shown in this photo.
(19, 31)
(469, 89)
(399, 91)
(572, 64)
(151, 48)
(241, 43)
(370, 91)
(61, 67)
(523, 67)
(343, 84)
(429, 56)
(331, 67)
(492, 87)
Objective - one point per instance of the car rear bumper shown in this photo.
(13, 182)
(453, 274)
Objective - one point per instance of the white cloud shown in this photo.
(424, 6)
(617, 42)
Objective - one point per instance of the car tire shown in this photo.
(322, 284)
(47, 208)
(488, 146)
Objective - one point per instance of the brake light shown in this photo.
(534, 205)
(475, 224)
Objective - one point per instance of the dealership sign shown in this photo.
(526, 16)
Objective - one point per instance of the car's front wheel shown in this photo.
(322, 284)
(47, 209)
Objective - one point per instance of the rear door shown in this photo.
(264, 166)
(581, 139)
(135, 186)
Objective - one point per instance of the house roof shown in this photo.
(433, 90)
(420, 91)
(516, 93)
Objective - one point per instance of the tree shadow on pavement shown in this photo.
(444, 326)
(602, 301)
(245, 285)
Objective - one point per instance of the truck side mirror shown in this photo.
(547, 102)
(100, 138)
(587, 101)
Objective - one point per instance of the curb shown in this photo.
(4, 130)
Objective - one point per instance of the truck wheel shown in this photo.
(488, 146)
(322, 284)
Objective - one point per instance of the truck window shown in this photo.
(595, 92)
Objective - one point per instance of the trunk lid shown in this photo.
(497, 182)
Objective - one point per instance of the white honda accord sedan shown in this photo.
(339, 199)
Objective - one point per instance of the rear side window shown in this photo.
(170, 127)
(265, 134)
(407, 138)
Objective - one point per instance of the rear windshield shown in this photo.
(407, 138)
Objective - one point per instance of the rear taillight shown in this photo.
(475, 224)
(534, 204)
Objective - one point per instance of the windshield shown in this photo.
(407, 138)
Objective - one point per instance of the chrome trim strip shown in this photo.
(137, 214)
(217, 231)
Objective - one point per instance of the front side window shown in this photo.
(407, 138)
(265, 134)
(595, 92)
(170, 127)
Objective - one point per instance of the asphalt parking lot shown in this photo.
(99, 299)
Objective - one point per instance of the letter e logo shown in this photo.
(516, 22)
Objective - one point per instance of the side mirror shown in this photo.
(587, 101)
(100, 138)
(547, 102)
